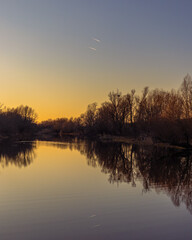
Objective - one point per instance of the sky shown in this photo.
(58, 56)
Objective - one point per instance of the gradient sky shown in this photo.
(50, 61)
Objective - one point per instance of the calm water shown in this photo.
(90, 190)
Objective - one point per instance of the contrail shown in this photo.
(94, 49)
(96, 39)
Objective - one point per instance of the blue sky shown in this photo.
(48, 54)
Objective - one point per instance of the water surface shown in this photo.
(91, 190)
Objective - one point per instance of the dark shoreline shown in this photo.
(100, 138)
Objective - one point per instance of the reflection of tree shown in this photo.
(19, 154)
(115, 159)
(165, 170)
(169, 172)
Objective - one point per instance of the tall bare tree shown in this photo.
(186, 93)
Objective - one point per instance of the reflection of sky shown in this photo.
(48, 59)
(60, 197)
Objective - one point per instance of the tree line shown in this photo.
(165, 116)
(17, 123)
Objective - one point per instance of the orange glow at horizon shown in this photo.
(57, 62)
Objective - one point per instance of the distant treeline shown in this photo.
(17, 123)
(164, 116)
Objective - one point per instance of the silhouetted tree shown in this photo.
(27, 113)
(186, 94)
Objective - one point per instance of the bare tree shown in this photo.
(173, 106)
(186, 93)
(131, 102)
(89, 117)
(27, 113)
(142, 105)
(119, 109)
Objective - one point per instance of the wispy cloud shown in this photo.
(96, 39)
(92, 48)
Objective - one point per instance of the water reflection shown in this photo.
(20, 154)
(165, 170)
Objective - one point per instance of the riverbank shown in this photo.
(140, 141)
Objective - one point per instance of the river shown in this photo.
(79, 189)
